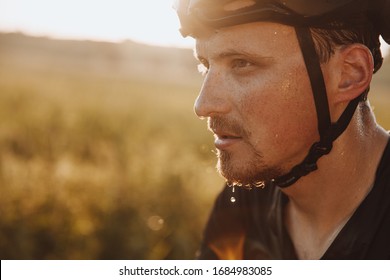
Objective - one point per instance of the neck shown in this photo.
(322, 202)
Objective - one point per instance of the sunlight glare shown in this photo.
(148, 21)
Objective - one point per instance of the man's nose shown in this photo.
(213, 96)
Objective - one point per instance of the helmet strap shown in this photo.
(328, 131)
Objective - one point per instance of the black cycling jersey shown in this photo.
(253, 228)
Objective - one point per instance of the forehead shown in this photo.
(257, 38)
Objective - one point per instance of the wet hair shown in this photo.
(358, 30)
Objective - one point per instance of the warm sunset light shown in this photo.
(102, 155)
(148, 21)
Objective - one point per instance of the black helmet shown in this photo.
(219, 13)
(195, 15)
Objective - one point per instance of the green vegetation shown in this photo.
(101, 156)
(99, 160)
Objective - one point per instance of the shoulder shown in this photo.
(380, 201)
(383, 170)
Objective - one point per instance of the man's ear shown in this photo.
(356, 69)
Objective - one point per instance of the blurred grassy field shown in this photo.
(101, 156)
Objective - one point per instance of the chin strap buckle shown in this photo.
(309, 164)
(318, 150)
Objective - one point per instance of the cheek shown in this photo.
(281, 111)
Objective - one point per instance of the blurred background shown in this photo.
(101, 155)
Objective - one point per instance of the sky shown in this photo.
(147, 21)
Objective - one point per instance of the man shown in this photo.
(285, 94)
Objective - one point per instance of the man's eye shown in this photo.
(240, 63)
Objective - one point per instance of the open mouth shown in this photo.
(227, 137)
(223, 141)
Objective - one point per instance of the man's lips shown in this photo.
(225, 140)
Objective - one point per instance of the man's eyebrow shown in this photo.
(234, 53)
